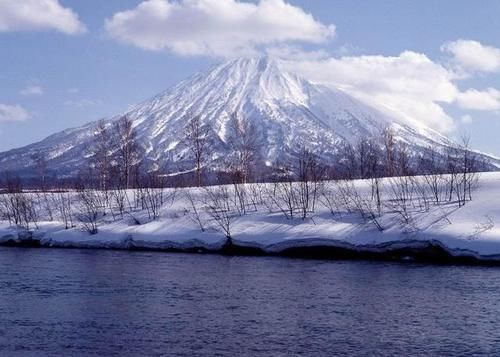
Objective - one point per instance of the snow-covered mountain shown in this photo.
(287, 111)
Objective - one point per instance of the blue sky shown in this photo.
(437, 62)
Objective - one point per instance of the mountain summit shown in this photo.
(287, 112)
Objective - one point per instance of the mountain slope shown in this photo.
(287, 111)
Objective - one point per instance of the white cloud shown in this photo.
(479, 100)
(37, 15)
(73, 90)
(31, 90)
(409, 85)
(13, 113)
(215, 27)
(466, 119)
(473, 56)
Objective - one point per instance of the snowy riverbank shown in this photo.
(442, 230)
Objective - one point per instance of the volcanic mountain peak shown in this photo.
(287, 111)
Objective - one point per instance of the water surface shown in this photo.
(96, 302)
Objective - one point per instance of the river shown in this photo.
(97, 302)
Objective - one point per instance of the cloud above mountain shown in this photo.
(31, 90)
(410, 85)
(215, 27)
(474, 99)
(13, 113)
(38, 15)
(473, 56)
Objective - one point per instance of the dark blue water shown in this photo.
(84, 302)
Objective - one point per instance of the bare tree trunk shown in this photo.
(127, 149)
(196, 136)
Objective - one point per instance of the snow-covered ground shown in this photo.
(473, 229)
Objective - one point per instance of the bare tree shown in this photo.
(402, 189)
(64, 205)
(255, 195)
(217, 203)
(283, 193)
(40, 164)
(431, 167)
(347, 162)
(353, 161)
(154, 194)
(197, 141)
(119, 198)
(453, 170)
(469, 175)
(331, 199)
(102, 154)
(45, 200)
(363, 205)
(309, 174)
(243, 142)
(196, 214)
(89, 209)
(389, 145)
(363, 152)
(18, 207)
(239, 195)
(402, 153)
(344, 195)
(371, 164)
(127, 154)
